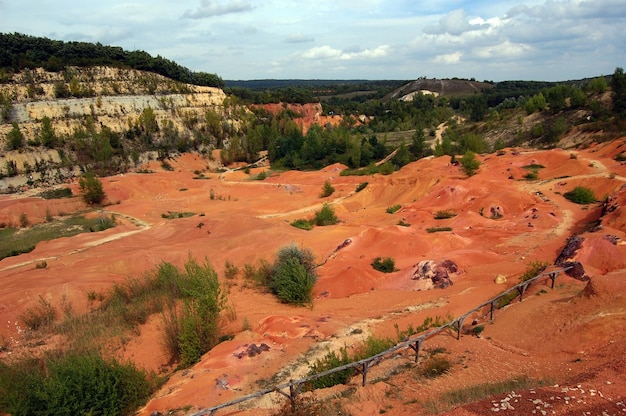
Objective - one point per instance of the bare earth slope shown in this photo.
(572, 335)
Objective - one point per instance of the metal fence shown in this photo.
(292, 389)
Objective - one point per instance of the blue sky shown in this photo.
(349, 39)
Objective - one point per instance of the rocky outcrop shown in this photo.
(437, 273)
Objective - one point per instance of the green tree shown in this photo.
(47, 135)
(15, 138)
(618, 84)
(91, 188)
(6, 105)
(469, 163)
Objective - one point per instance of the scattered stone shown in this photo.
(252, 350)
(500, 279)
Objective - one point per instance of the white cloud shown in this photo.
(503, 50)
(326, 52)
(448, 58)
(209, 8)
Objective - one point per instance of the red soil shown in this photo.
(247, 221)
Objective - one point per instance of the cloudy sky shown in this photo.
(551, 40)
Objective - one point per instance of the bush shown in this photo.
(293, 275)
(385, 265)
(72, 384)
(393, 209)
(327, 190)
(581, 195)
(469, 163)
(326, 216)
(195, 324)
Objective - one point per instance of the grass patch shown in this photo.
(56, 193)
(14, 242)
(533, 166)
(384, 169)
(171, 215)
(581, 195)
(471, 394)
(303, 224)
(393, 209)
(444, 214)
(361, 186)
(438, 229)
(533, 269)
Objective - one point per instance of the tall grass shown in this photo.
(465, 395)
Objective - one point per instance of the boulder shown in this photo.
(437, 273)
(500, 279)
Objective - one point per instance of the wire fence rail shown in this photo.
(292, 389)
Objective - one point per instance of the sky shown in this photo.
(347, 39)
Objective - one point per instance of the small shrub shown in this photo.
(39, 316)
(435, 366)
(403, 223)
(328, 362)
(326, 216)
(620, 157)
(41, 265)
(24, 222)
(230, 270)
(361, 186)
(261, 176)
(581, 195)
(393, 209)
(385, 265)
(533, 166)
(438, 229)
(327, 190)
(531, 176)
(302, 224)
(444, 214)
(477, 330)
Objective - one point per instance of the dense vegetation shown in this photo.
(21, 51)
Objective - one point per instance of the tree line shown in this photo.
(20, 51)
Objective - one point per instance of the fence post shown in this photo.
(553, 276)
(493, 305)
(418, 344)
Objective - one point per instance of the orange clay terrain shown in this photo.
(573, 335)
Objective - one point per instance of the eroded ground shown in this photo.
(570, 334)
